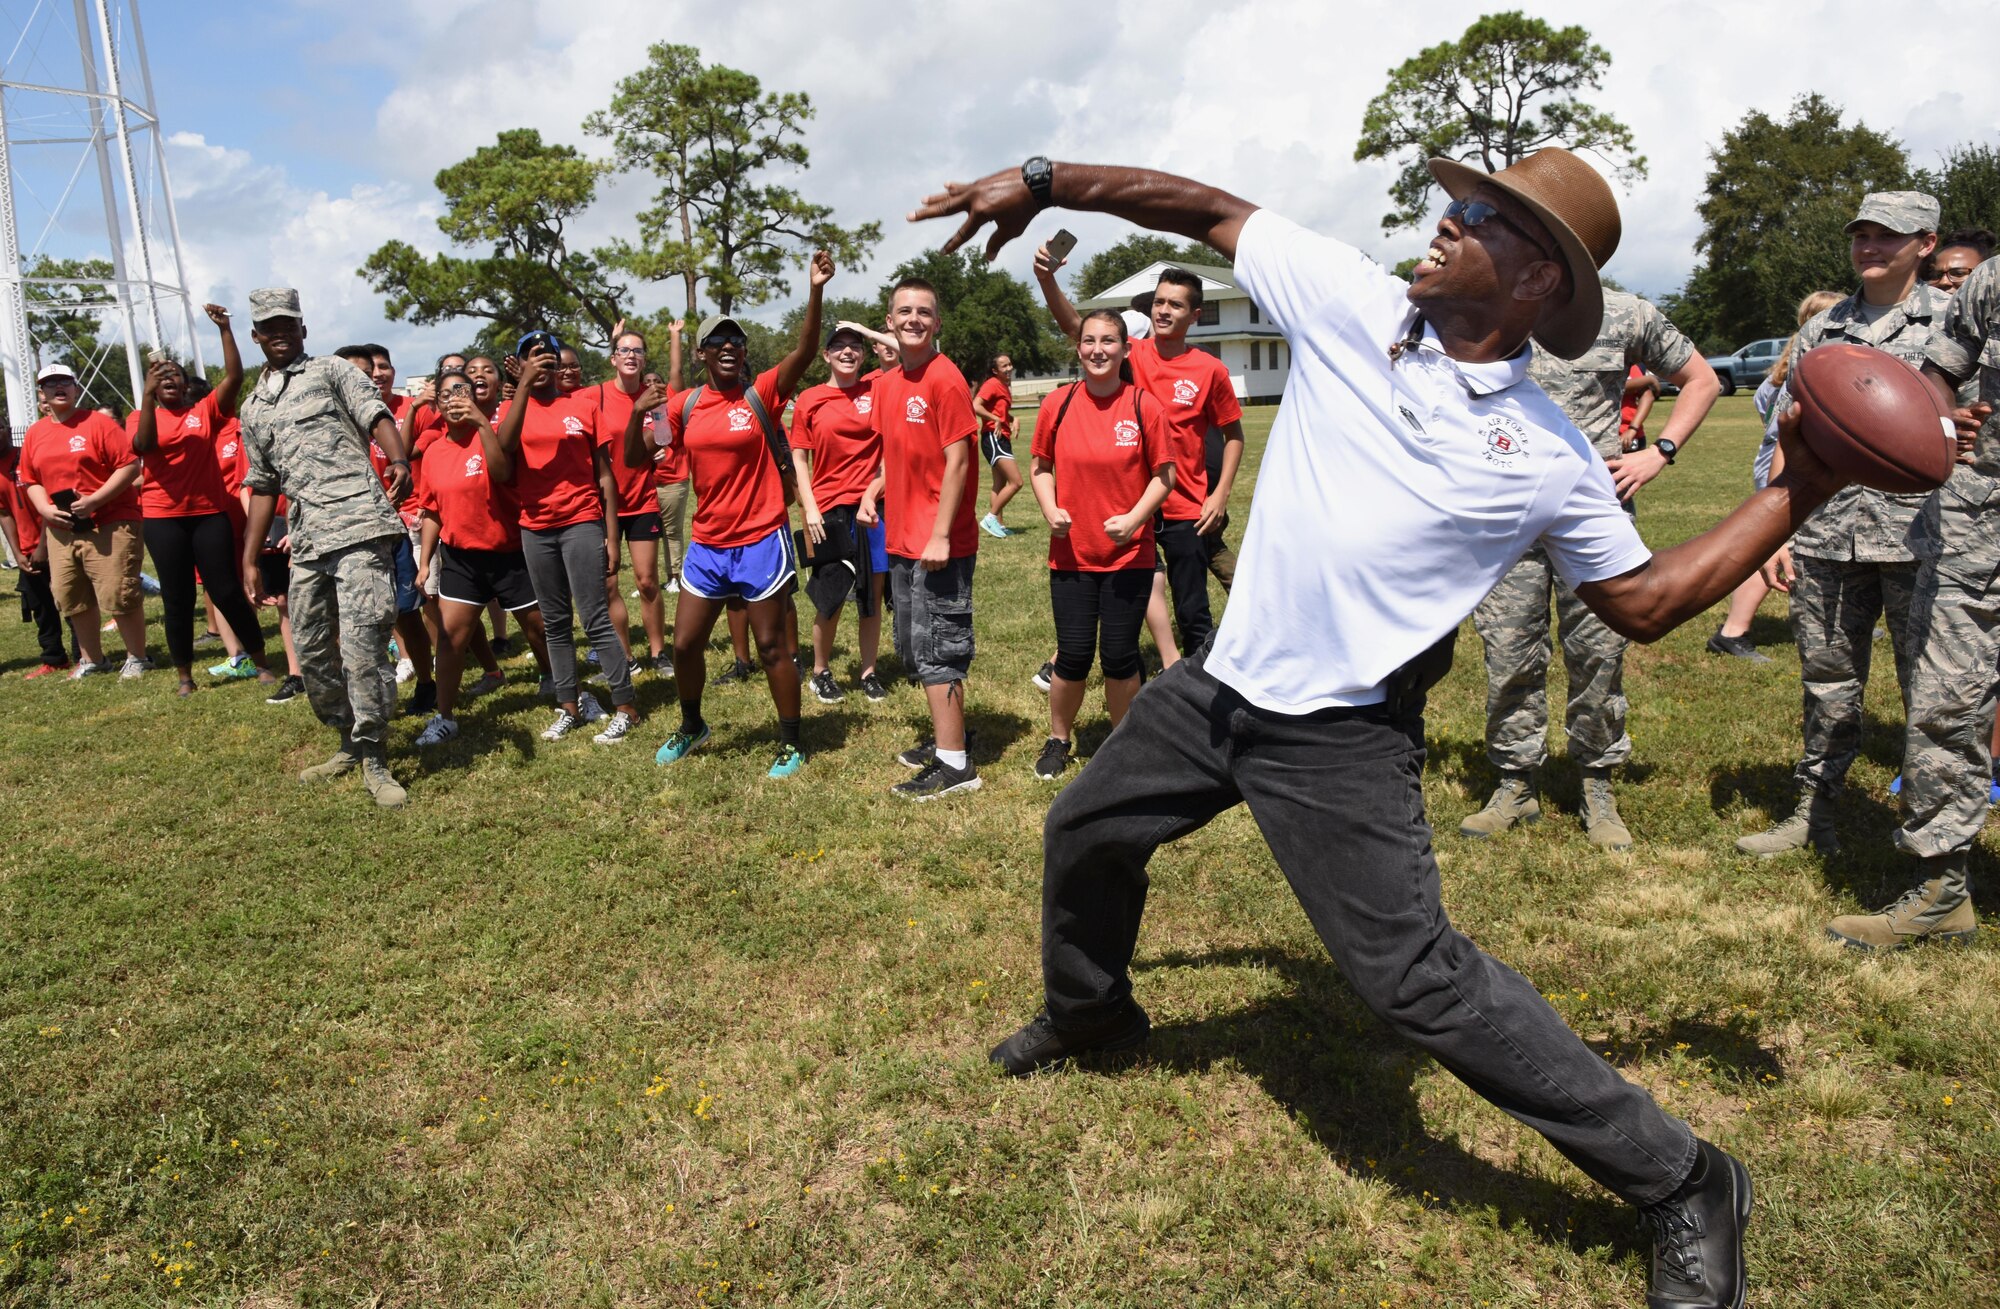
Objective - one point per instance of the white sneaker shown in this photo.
(438, 730)
(405, 670)
(635, 593)
(615, 730)
(83, 669)
(673, 586)
(557, 730)
(134, 668)
(587, 708)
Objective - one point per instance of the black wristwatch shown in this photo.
(1040, 177)
(1667, 448)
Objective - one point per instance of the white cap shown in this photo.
(54, 371)
(1137, 325)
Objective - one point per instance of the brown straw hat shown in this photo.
(1577, 207)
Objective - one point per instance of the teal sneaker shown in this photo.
(235, 669)
(789, 761)
(680, 745)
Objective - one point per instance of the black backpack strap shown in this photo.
(1061, 409)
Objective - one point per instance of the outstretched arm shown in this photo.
(1160, 201)
(1068, 320)
(232, 363)
(793, 366)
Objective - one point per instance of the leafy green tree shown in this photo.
(986, 311)
(67, 325)
(713, 136)
(1506, 88)
(513, 202)
(1114, 264)
(1967, 185)
(1778, 196)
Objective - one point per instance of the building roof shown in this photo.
(1217, 283)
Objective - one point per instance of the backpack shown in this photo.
(774, 436)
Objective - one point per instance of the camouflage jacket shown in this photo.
(1591, 387)
(1961, 520)
(1860, 524)
(305, 429)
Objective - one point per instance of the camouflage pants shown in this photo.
(1513, 621)
(1954, 640)
(343, 608)
(1835, 606)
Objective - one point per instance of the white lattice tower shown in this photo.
(69, 107)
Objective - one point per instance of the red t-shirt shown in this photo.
(835, 427)
(738, 495)
(14, 503)
(184, 470)
(1193, 388)
(79, 455)
(919, 415)
(993, 393)
(474, 512)
(379, 457)
(233, 458)
(1103, 456)
(614, 410)
(555, 472)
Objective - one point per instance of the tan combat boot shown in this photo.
(1810, 823)
(1602, 826)
(342, 763)
(1936, 909)
(382, 784)
(1513, 801)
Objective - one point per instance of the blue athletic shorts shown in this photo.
(408, 599)
(878, 545)
(767, 567)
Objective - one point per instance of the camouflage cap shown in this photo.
(1899, 211)
(274, 302)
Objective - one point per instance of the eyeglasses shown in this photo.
(844, 347)
(1475, 213)
(639, 350)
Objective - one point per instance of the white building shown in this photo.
(1231, 327)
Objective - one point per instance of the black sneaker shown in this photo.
(662, 665)
(424, 699)
(738, 671)
(288, 690)
(1698, 1236)
(1044, 675)
(1054, 760)
(502, 648)
(1041, 1044)
(871, 686)
(939, 778)
(1736, 647)
(924, 753)
(825, 689)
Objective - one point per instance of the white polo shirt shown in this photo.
(1392, 495)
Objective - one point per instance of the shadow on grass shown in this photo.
(1349, 1083)
(1867, 866)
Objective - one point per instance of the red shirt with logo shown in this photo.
(233, 458)
(1104, 454)
(836, 426)
(398, 405)
(78, 454)
(1193, 389)
(555, 470)
(14, 503)
(614, 409)
(920, 414)
(184, 469)
(738, 495)
(993, 393)
(474, 512)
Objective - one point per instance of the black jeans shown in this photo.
(206, 541)
(38, 605)
(1101, 614)
(1187, 580)
(1338, 795)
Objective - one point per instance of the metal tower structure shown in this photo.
(70, 115)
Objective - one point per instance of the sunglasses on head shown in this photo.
(1475, 213)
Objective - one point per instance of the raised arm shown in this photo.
(793, 366)
(146, 432)
(1160, 201)
(232, 363)
(674, 354)
(1067, 318)
(509, 432)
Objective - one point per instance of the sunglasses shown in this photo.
(719, 339)
(1476, 213)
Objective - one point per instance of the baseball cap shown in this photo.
(1137, 325)
(715, 322)
(1905, 212)
(52, 372)
(839, 331)
(274, 302)
(535, 338)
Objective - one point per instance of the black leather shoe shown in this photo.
(1698, 1236)
(1041, 1044)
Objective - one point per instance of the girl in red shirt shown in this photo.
(470, 526)
(1101, 470)
(639, 521)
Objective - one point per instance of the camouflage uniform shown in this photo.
(305, 428)
(1513, 620)
(1855, 560)
(1955, 620)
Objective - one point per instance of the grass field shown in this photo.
(577, 1030)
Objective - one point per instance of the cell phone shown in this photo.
(156, 356)
(1061, 244)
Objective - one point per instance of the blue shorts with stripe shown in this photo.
(763, 569)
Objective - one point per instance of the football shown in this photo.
(1873, 418)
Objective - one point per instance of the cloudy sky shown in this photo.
(303, 135)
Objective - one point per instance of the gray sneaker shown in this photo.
(825, 689)
(1513, 801)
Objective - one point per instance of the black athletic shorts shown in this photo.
(476, 577)
(647, 526)
(995, 446)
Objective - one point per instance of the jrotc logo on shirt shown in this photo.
(191, 423)
(740, 418)
(915, 408)
(866, 404)
(1186, 392)
(77, 441)
(1506, 440)
(229, 450)
(1125, 433)
(572, 426)
(475, 465)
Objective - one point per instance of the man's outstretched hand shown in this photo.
(1001, 199)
